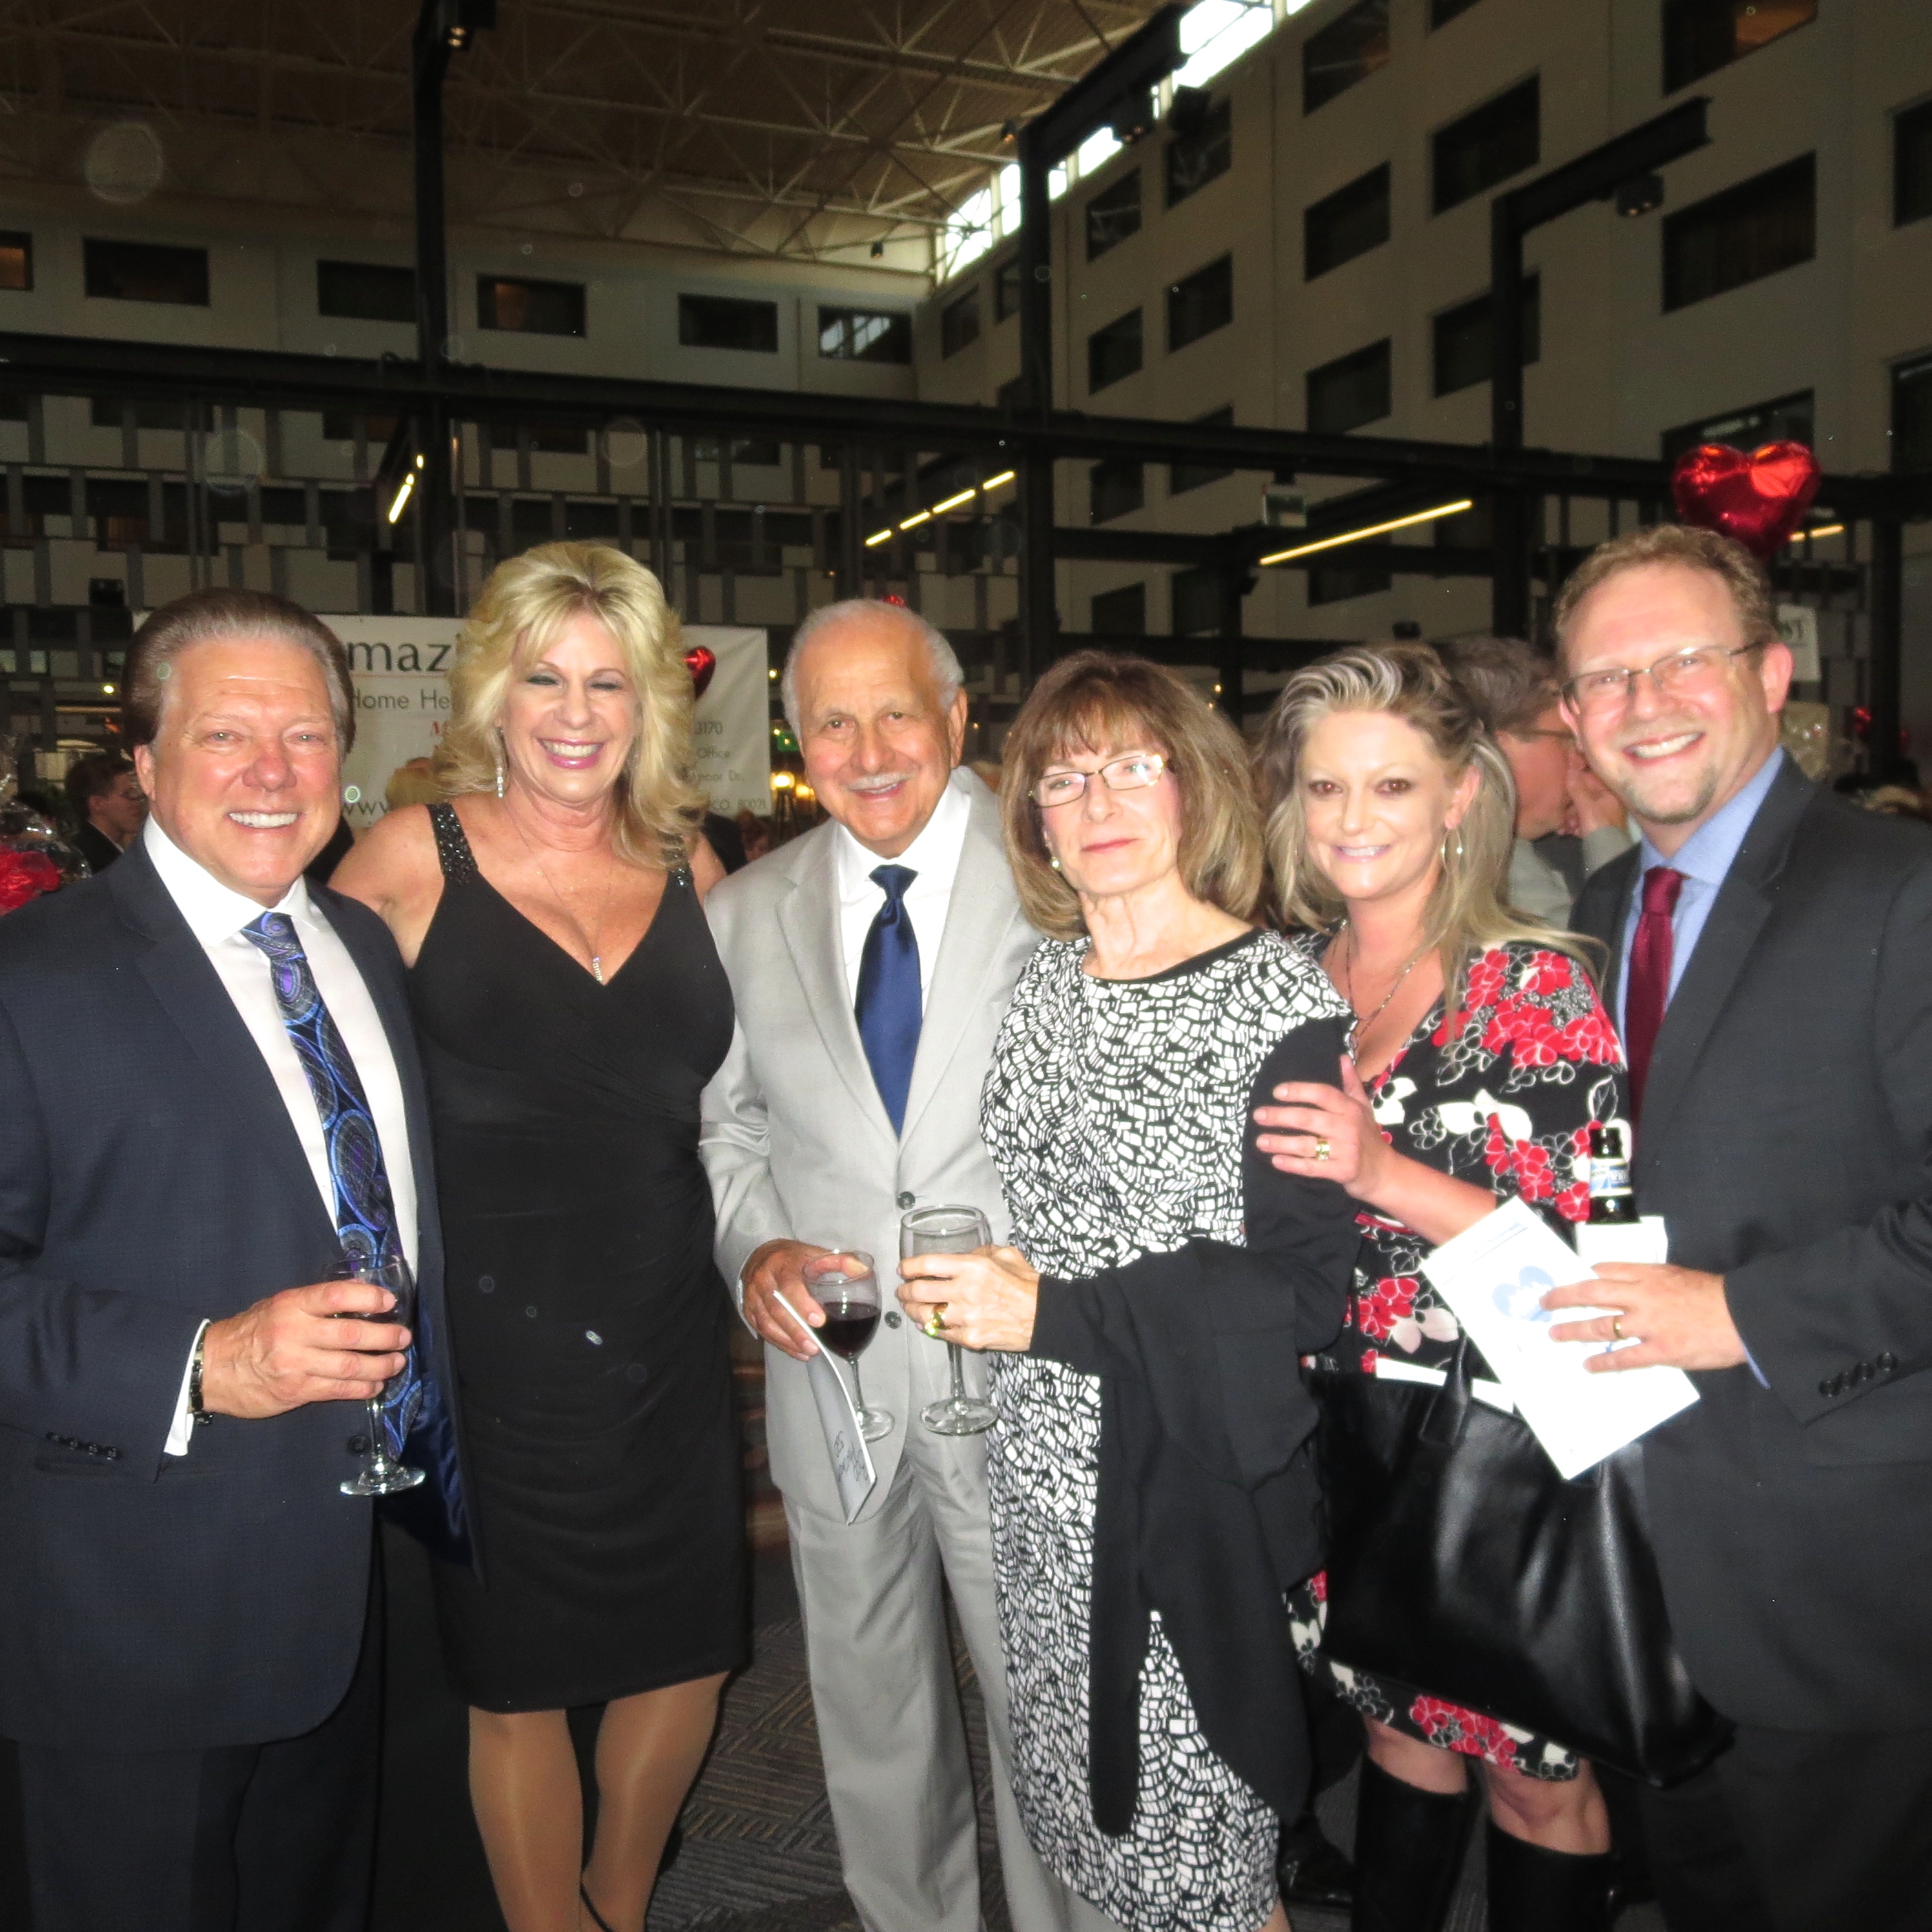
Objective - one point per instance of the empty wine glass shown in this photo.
(950, 1231)
(381, 1474)
(844, 1285)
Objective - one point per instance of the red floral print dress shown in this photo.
(1505, 1097)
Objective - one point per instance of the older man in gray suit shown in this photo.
(871, 962)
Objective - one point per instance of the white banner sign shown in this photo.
(401, 666)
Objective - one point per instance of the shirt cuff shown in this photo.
(181, 1431)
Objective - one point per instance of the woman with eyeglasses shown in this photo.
(1479, 1059)
(1153, 1489)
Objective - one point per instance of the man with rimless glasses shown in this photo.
(1770, 963)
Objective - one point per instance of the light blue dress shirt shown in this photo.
(1705, 858)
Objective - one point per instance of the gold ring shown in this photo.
(1322, 1150)
(1617, 1327)
(935, 1322)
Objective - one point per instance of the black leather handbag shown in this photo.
(1461, 1562)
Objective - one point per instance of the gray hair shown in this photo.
(945, 664)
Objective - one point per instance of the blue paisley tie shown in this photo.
(365, 1215)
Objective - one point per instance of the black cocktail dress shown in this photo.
(588, 1321)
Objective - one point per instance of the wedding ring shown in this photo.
(1617, 1327)
(1322, 1150)
(936, 1320)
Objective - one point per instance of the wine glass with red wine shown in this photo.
(845, 1286)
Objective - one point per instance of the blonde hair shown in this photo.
(528, 601)
(1745, 579)
(1467, 913)
(1095, 701)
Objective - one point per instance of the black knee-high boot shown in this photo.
(1409, 1853)
(1534, 1890)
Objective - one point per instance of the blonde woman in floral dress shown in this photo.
(1481, 1058)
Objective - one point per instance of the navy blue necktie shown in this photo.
(365, 1215)
(888, 1007)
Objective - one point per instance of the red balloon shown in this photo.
(1759, 499)
(701, 663)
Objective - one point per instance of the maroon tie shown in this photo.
(1647, 991)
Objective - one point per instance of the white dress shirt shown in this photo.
(216, 916)
(933, 855)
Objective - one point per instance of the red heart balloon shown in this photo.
(1759, 499)
(701, 663)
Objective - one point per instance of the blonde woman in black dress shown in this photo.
(571, 1008)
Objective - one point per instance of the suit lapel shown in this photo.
(190, 992)
(808, 919)
(979, 921)
(1600, 915)
(1743, 905)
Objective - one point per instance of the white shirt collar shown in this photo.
(933, 854)
(213, 911)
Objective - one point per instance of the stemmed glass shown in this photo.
(845, 1286)
(381, 1474)
(950, 1231)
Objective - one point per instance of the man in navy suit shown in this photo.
(208, 1096)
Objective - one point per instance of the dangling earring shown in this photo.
(498, 749)
(1455, 858)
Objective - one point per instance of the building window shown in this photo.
(1911, 170)
(1441, 12)
(1487, 145)
(1349, 392)
(530, 308)
(147, 412)
(1182, 477)
(1113, 352)
(1007, 289)
(1113, 488)
(752, 451)
(1742, 235)
(1700, 36)
(16, 260)
(726, 322)
(1113, 215)
(1462, 338)
(1195, 596)
(1121, 612)
(864, 335)
(365, 291)
(1336, 583)
(1201, 304)
(1912, 414)
(959, 323)
(1345, 224)
(1196, 158)
(145, 271)
(1786, 419)
(1349, 49)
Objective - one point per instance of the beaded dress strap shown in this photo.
(452, 845)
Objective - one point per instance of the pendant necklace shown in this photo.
(1364, 1021)
(591, 946)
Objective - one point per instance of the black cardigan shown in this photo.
(1207, 1508)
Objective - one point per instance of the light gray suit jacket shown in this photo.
(797, 1143)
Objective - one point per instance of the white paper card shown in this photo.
(1494, 1277)
(1646, 1239)
(851, 1460)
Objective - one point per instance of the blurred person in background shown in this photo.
(1557, 796)
(108, 806)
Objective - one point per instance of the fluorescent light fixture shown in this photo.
(877, 537)
(1373, 530)
(913, 522)
(401, 502)
(1821, 530)
(994, 482)
(953, 502)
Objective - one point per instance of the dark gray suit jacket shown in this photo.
(149, 1178)
(1786, 1129)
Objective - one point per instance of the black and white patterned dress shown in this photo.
(1116, 1112)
